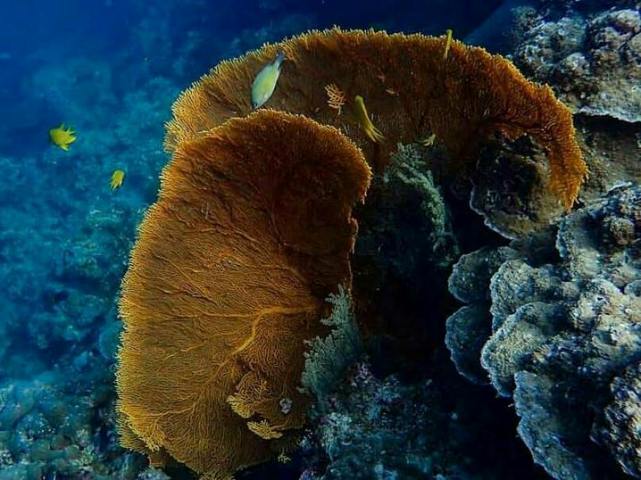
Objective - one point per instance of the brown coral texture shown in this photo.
(463, 99)
(252, 230)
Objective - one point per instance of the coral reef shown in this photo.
(593, 61)
(472, 95)
(434, 424)
(216, 160)
(56, 412)
(622, 417)
(251, 232)
(571, 371)
(510, 189)
(64, 241)
(564, 335)
(588, 52)
(369, 421)
(47, 429)
(58, 420)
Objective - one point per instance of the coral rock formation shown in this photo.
(594, 61)
(623, 420)
(511, 189)
(228, 278)
(409, 89)
(589, 52)
(253, 227)
(565, 340)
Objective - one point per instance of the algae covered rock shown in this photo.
(566, 335)
(384, 428)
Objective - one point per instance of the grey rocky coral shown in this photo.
(560, 332)
(593, 60)
(620, 430)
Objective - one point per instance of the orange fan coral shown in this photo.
(463, 100)
(251, 232)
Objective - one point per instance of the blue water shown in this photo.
(111, 70)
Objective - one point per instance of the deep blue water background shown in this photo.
(111, 70)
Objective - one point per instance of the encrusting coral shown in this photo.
(251, 233)
(411, 92)
(553, 319)
(591, 59)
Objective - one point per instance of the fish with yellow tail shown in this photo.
(117, 178)
(448, 43)
(265, 82)
(364, 121)
(62, 136)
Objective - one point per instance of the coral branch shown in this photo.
(217, 304)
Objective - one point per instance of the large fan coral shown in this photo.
(251, 232)
(253, 227)
(411, 92)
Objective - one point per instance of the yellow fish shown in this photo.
(366, 124)
(448, 42)
(62, 136)
(265, 82)
(116, 179)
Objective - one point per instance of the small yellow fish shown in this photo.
(265, 82)
(428, 141)
(366, 124)
(448, 42)
(116, 179)
(62, 136)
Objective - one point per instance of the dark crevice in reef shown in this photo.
(402, 301)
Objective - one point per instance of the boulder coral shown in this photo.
(228, 279)
(410, 90)
(555, 325)
(593, 61)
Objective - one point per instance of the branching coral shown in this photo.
(463, 100)
(328, 358)
(251, 232)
